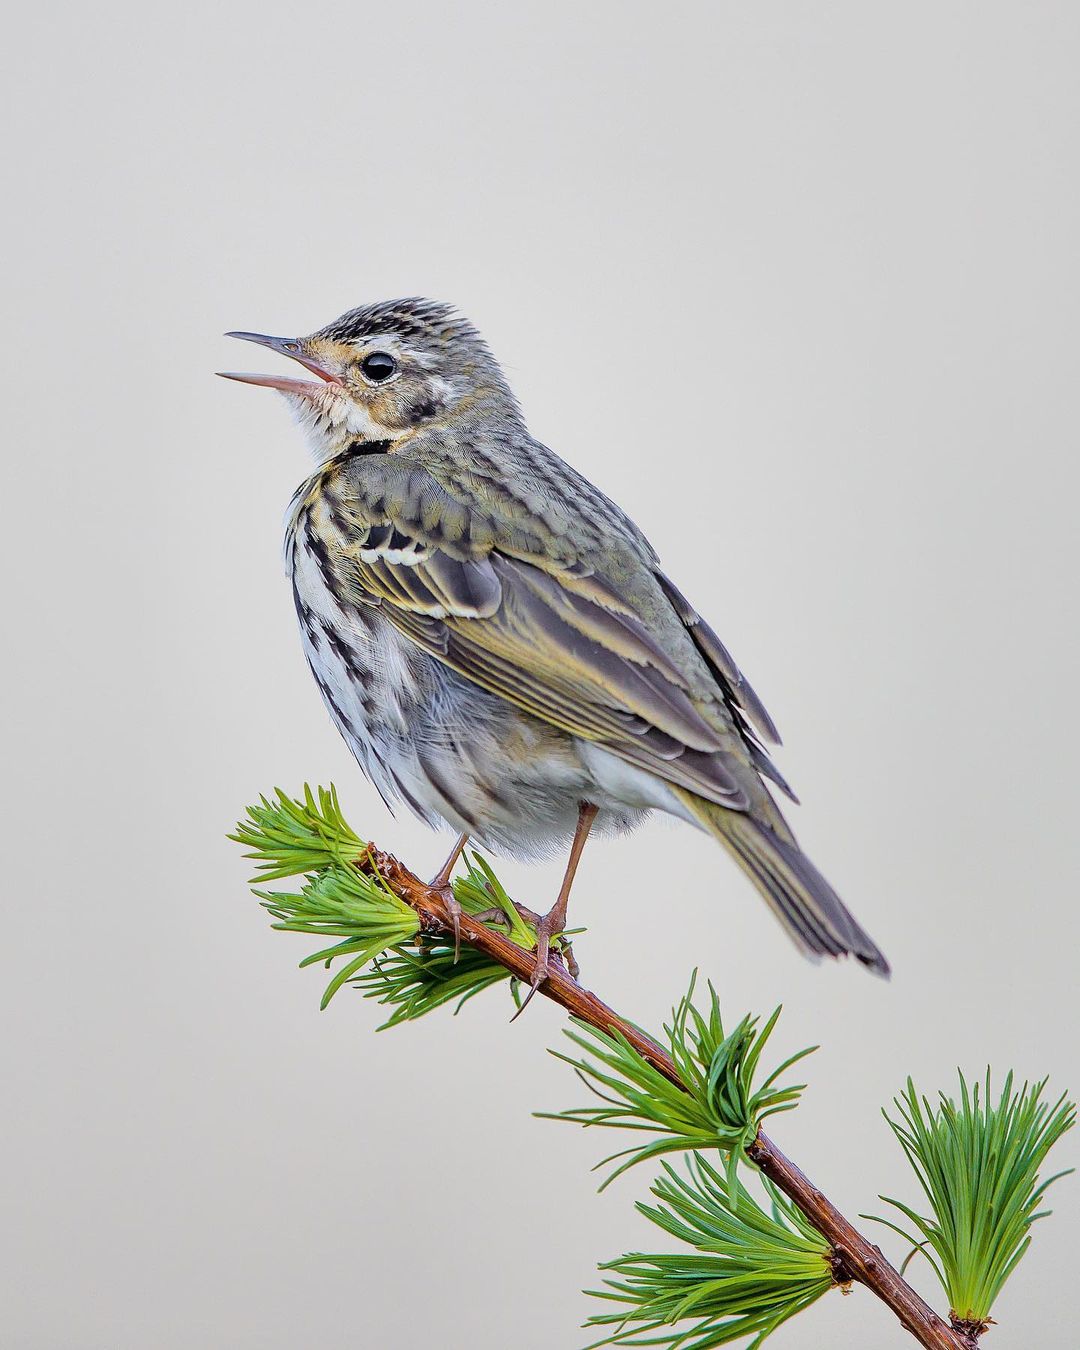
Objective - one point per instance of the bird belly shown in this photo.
(623, 786)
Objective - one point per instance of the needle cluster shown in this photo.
(718, 1105)
(741, 1269)
(978, 1164)
(386, 953)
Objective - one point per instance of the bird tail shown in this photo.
(805, 903)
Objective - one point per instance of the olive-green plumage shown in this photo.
(495, 638)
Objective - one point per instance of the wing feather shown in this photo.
(721, 662)
(562, 652)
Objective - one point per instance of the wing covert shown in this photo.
(548, 644)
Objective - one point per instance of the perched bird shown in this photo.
(494, 637)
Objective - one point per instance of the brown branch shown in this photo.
(856, 1258)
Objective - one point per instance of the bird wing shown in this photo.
(737, 689)
(546, 631)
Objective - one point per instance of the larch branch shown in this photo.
(855, 1257)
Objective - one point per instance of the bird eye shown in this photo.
(378, 366)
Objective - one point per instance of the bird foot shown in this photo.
(542, 966)
(442, 884)
(551, 948)
(495, 914)
(555, 944)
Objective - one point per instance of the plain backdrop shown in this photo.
(798, 285)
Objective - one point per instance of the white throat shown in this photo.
(329, 422)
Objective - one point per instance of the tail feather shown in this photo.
(808, 907)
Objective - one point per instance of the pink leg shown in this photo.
(554, 921)
(446, 871)
(441, 882)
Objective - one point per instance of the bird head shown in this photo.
(383, 371)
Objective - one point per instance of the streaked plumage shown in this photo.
(494, 637)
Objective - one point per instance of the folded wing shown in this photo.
(561, 643)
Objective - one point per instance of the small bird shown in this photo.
(494, 637)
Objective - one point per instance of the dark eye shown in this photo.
(378, 366)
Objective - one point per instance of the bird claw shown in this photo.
(453, 906)
(442, 882)
(550, 946)
(494, 916)
(453, 909)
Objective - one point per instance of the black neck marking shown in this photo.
(362, 447)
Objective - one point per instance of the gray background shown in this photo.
(798, 285)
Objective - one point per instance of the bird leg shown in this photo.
(441, 879)
(553, 922)
(441, 882)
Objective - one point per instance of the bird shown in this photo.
(495, 638)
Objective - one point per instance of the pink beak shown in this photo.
(291, 347)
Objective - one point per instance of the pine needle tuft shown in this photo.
(978, 1165)
(412, 973)
(749, 1268)
(720, 1108)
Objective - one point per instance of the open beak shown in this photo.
(294, 349)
